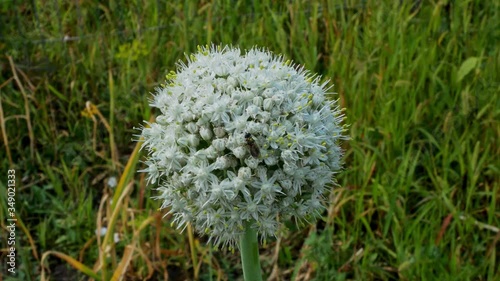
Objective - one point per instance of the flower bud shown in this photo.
(206, 133)
(268, 104)
(183, 141)
(270, 160)
(244, 173)
(193, 140)
(221, 163)
(192, 127)
(219, 144)
(239, 152)
(257, 101)
(252, 162)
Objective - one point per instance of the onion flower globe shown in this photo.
(243, 140)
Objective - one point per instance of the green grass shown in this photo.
(419, 198)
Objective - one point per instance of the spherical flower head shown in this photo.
(242, 138)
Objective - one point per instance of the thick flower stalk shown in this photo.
(243, 140)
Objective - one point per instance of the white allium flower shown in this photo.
(242, 137)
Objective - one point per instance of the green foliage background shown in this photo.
(419, 196)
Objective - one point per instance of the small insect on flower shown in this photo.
(254, 149)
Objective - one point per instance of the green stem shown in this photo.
(249, 247)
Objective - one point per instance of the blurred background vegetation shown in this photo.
(419, 196)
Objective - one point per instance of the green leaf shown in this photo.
(466, 67)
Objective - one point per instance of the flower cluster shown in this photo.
(242, 138)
